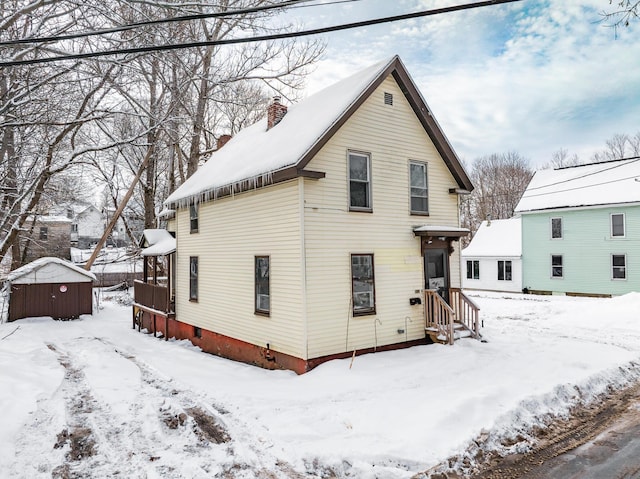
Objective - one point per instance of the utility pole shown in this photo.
(118, 212)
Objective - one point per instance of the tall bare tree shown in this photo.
(500, 181)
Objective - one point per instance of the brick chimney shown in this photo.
(222, 140)
(275, 112)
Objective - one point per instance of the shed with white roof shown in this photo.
(50, 287)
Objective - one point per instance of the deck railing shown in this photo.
(439, 316)
(466, 311)
(152, 296)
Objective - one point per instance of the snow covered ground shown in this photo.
(94, 398)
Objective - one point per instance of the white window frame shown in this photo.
(358, 310)
(561, 227)
(504, 270)
(369, 207)
(624, 225)
(624, 268)
(475, 269)
(423, 164)
(194, 219)
(561, 266)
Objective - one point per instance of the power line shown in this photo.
(619, 165)
(276, 36)
(131, 26)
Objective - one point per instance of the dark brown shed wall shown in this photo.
(28, 300)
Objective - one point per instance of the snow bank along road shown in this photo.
(93, 398)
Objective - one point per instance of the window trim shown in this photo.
(624, 225)
(361, 209)
(193, 295)
(475, 268)
(426, 177)
(368, 311)
(256, 309)
(194, 215)
(624, 268)
(503, 270)
(551, 227)
(561, 266)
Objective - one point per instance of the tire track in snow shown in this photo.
(212, 425)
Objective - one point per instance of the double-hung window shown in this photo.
(359, 181)
(504, 270)
(617, 225)
(44, 233)
(418, 188)
(619, 266)
(473, 269)
(556, 228)
(193, 218)
(193, 278)
(557, 267)
(262, 294)
(363, 284)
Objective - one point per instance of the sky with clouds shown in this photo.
(532, 76)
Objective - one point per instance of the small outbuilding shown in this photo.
(493, 259)
(50, 287)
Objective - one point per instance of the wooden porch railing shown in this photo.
(152, 296)
(466, 311)
(442, 319)
(440, 316)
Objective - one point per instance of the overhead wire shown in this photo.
(617, 165)
(288, 4)
(259, 38)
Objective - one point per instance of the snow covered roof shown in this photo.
(256, 155)
(612, 182)
(50, 219)
(159, 242)
(41, 263)
(439, 230)
(497, 238)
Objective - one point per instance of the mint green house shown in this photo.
(581, 229)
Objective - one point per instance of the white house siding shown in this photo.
(488, 280)
(393, 136)
(232, 231)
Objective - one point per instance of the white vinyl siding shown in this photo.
(393, 136)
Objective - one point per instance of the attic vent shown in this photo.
(388, 98)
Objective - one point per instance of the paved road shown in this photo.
(601, 441)
(613, 454)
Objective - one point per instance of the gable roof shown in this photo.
(497, 238)
(595, 184)
(257, 156)
(43, 263)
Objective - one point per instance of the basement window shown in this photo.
(388, 99)
(197, 332)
